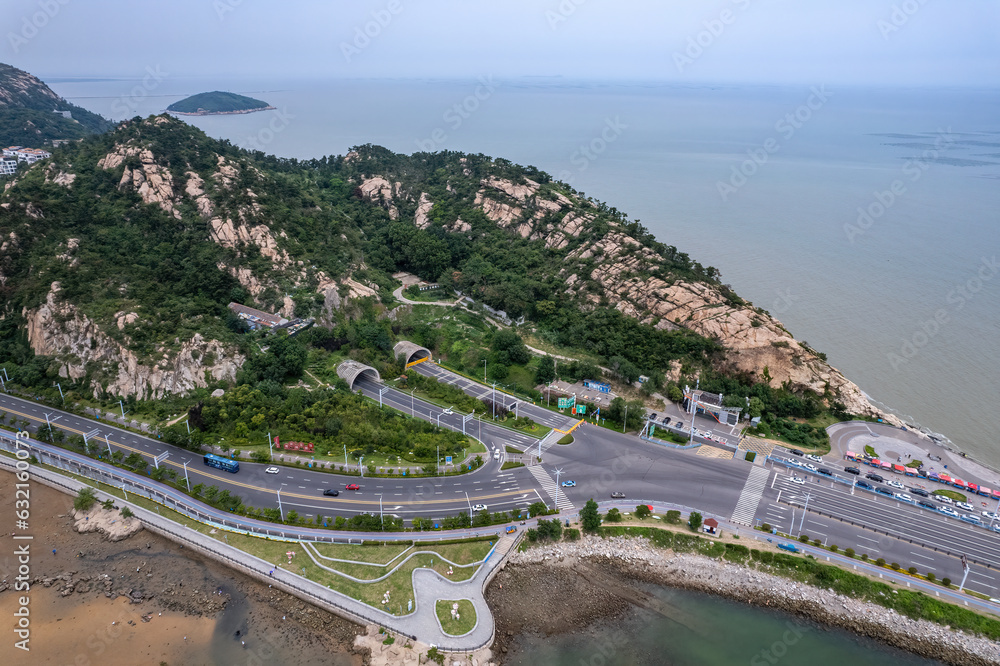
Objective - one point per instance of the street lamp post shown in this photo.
(108, 444)
(361, 466)
(558, 472)
(804, 509)
(186, 479)
(281, 512)
(411, 400)
(380, 514)
(494, 400)
(470, 504)
(270, 446)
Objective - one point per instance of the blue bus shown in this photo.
(222, 463)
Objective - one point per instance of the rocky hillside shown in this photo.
(120, 254)
(32, 115)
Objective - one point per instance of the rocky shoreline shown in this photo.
(554, 570)
(222, 113)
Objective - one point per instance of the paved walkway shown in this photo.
(398, 295)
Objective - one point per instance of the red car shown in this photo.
(353, 486)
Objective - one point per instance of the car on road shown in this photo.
(971, 518)
(948, 511)
(852, 470)
(448, 411)
(941, 498)
(353, 486)
(895, 484)
(797, 479)
(865, 485)
(679, 424)
(272, 470)
(884, 491)
(874, 477)
(617, 495)
(814, 458)
(904, 497)
(666, 420)
(920, 491)
(796, 452)
(652, 417)
(824, 471)
(809, 466)
(927, 505)
(330, 492)
(569, 484)
(965, 506)
(991, 515)
(496, 454)
(479, 507)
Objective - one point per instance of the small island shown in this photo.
(217, 103)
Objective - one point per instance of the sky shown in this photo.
(864, 42)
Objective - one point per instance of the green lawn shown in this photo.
(951, 494)
(466, 616)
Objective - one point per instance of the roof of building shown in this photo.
(711, 522)
(260, 315)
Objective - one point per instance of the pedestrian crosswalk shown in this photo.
(746, 506)
(554, 492)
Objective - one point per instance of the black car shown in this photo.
(920, 491)
(679, 424)
(874, 477)
(863, 484)
(666, 420)
(330, 492)
(796, 452)
(824, 471)
(652, 417)
(852, 470)
(884, 491)
(927, 505)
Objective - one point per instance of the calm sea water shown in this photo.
(716, 632)
(766, 184)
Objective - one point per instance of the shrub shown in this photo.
(673, 517)
(642, 511)
(804, 538)
(127, 512)
(765, 527)
(894, 566)
(817, 542)
(864, 557)
(85, 499)
(880, 561)
(614, 516)
(571, 534)
(532, 534)
(931, 576)
(850, 553)
(833, 548)
(694, 520)
(912, 571)
(946, 582)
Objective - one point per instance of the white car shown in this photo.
(991, 515)
(965, 506)
(948, 511)
(809, 466)
(895, 484)
(271, 470)
(942, 499)
(797, 479)
(814, 458)
(479, 507)
(904, 497)
(448, 411)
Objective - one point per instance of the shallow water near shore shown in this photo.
(717, 632)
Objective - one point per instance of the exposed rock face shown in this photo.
(423, 208)
(378, 190)
(54, 175)
(59, 329)
(109, 523)
(150, 181)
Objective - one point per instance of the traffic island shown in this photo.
(457, 617)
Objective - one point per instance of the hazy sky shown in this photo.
(877, 42)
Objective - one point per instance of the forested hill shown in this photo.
(121, 252)
(217, 102)
(28, 112)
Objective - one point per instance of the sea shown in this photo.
(867, 220)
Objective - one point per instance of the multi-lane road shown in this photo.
(599, 461)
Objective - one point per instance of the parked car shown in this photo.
(852, 470)
(874, 477)
(796, 452)
(809, 466)
(942, 499)
(824, 471)
(666, 420)
(904, 497)
(865, 485)
(965, 506)
(479, 507)
(814, 458)
(920, 491)
(569, 484)
(895, 484)
(353, 486)
(884, 491)
(948, 511)
(927, 505)
(272, 470)
(971, 518)
(330, 492)
(991, 515)
(797, 479)
(679, 424)
(617, 495)
(789, 547)
(653, 416)
(511, 529)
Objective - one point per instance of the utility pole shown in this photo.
(270, 446)
(380, 514)
(494, 400)
(345, 456)
(186, 479)
(108, 443)
(361, 466)
(965, 568)
(558, 472)
(411, 400)
(60, 390)
(470, 503)
(804, 509)
(121, 405)
(625, 419)
(281, 511)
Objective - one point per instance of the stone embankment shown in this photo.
(637, 559)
